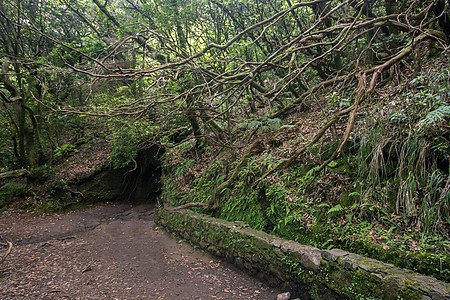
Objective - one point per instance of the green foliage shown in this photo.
(400, 175)
(244, 207)
(335, 99)
(12, 189)
(439, 114)
(183, 167)
(262, 126)
(335, 209)
(142, 100)
(124, 150)
(202, 188)
(9, 191)
(435, 207)
(278, 211)
(57, 186)
(242, 202)
(6, 150)
(127, 138)
(64, 150)
(50, 205)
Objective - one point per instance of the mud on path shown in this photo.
(112, 252)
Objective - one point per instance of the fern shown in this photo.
(265, 125)
(273, 123)
(435, 116)
(253, 124)
(335, 209)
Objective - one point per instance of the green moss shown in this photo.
(422, 262)
(410, 294)
(335, 276)
(257, 253)
(363, 283)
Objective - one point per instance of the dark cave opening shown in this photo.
(142, 180)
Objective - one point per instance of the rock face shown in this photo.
(106, 185)
(306, 271)
(139, 185)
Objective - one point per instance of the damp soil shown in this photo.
(112, 252)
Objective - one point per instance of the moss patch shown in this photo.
(286, 263)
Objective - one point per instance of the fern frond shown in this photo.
(336, 208)
(439, 114)
(253, 124)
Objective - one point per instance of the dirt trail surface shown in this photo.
(112, 252)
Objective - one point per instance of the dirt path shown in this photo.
(112, 252)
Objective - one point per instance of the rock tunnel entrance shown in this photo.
(136, 183)
(142, 181)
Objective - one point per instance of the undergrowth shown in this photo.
(387, 196)
(10, 191)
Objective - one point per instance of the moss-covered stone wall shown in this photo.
(305, 270)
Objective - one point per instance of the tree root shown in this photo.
(187, 205)
(350, 123)
(14, 173)
(287, 162)
(10, 245)
(362, 92)
(256, 148)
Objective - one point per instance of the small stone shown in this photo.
(278, 252)
(311, 260)
(204, 244)
(284, 296)
(240, 224)
(276, 243)
(431, 287)
(239, 263)
(379, 276)
(349, 264)
(373, 266)
(333, 254)
(365, 268)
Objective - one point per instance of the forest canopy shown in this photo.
(280, 106)
(200, 66)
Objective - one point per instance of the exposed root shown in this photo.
(187, 205)
(9, 245)
(15, 173)
(256, 148)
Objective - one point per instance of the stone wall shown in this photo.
(304, 270)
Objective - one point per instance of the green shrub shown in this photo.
(9, 191)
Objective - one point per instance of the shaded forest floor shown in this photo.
(113, 252)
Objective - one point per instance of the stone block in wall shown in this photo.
(350, 262)
(333, 254)
(326, 272)
(311, 259)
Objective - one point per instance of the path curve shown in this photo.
(112, 252)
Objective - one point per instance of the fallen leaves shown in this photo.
(104, 263)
